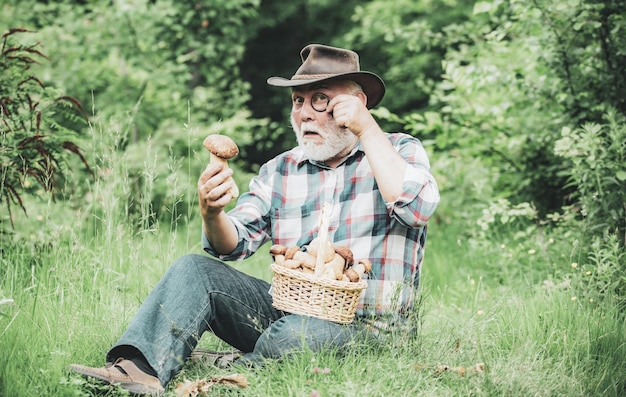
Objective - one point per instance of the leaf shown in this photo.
(621, 175)
(203, 386)
(235, 380)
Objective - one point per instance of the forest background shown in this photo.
(521, 105)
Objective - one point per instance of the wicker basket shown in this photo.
(301, 293)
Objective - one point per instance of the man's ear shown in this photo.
(361, 95)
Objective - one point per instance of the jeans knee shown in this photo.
(183, 266)
(192, 262)
(282, 337)
(192, 267)
(287, 328)
(187, 262)
(294, 333)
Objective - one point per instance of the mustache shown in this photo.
(310, 127)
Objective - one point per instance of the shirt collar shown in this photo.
(301, 158)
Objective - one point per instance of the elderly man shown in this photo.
(381, 194)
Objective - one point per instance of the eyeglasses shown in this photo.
(319, 102)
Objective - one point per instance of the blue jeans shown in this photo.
(199, 294)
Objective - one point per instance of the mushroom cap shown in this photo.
(346, 253)
(291, 252)
(367, 265)
(221, 146)
(278, 249)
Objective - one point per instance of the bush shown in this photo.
(596, 154)
(603, 276)
(35, 141)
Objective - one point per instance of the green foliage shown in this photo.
(513, 242)
(405, 42)
(586, 51)
(516, 74)
(602, 275)
(146, 65)
(596, 154)
(492, 106)
(166, 54)
(513, 75)
(35, 141)
(488, 82)
(209, 39)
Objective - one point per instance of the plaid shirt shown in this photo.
(284, 204)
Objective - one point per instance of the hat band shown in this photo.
(310, 76)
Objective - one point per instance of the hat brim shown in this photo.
(372, 85)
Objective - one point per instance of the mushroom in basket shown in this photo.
(338, 262)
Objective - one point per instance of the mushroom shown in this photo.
(351, 275)
(278, 252)
(291, 251)
(362, 266)
(291, 264)
(306, 259)
(336, 264)
(222, 148)
(280, 260)
(278, 249)
(346, 254)
(328, 272)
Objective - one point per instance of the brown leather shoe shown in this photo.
(125, 374)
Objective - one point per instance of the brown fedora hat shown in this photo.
(320, 62)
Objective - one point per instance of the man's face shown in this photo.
(317, 132)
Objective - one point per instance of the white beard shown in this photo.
(335, 140)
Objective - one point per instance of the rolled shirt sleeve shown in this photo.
(420, 193)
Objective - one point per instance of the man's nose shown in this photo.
(306, 111)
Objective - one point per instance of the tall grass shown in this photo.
(70, 289)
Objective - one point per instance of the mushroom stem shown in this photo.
(307, 260)
(336, 264)
(215, 159)
(362, 266)
(351, 275)
(280, 259)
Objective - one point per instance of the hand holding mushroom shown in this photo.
(222, 148)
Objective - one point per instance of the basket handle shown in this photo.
(323, 238)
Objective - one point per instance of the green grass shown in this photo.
(74, 297)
